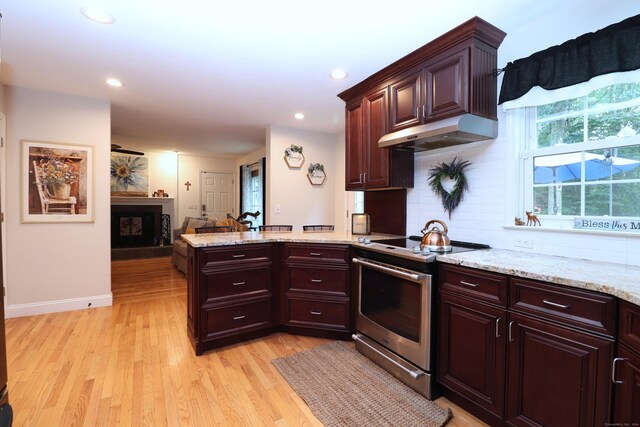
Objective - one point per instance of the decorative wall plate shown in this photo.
(293, 156)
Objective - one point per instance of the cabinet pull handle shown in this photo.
(418, 113)
(315, 253)
(239, 317)
(473, 285)
(555, 304)
(239, 256)
(424, 116)
(365, 178)
(238, 283)
(613, 369)
(316, 280)
(511, 330)
(316, 313)
(360, 181)
(498, 327)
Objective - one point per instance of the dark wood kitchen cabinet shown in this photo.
(452, 75)
(367, 165)
(229, 294)
(626, 369)
(511, 361)
(471, 335)
(317, 294)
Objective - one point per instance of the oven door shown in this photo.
(394, 309)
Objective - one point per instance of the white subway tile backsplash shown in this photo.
(482, 214)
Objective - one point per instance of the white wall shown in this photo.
(189, 168)
(57, 267)
(488, 205)
(300, 202)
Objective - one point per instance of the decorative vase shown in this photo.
(61, 191)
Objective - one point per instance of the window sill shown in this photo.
(572, 231)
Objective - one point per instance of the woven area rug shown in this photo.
(344, 388)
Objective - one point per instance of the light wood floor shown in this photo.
(132, 364)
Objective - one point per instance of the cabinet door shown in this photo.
(556, 376)
(626, 407)
(377, 159)
(355, 134)
(471, 345)
(406, 102)
(447, 83)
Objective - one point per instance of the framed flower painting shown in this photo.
(57, 182)
(129, 176)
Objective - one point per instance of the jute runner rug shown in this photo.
(344, 388)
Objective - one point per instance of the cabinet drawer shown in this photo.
(234, 254)
(584, 309)
(317, 253)
(236, 282)
(232, 319)
(629, 332)
(476, 284)
(318, 314)
(318, 279)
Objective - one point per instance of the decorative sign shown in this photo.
(360, 224)
(606, 224)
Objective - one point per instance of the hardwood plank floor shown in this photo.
(132, 364)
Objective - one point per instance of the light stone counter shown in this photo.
(226, 239)
(619, 280)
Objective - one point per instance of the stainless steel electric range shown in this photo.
(396, 307)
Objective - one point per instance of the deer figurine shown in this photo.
(518, 221)
(532, 219)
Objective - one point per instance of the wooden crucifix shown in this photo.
(187, 184)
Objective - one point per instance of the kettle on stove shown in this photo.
(434, 239)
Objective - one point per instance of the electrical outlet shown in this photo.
(278, 209)
(524, 243)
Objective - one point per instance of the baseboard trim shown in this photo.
(32, 309)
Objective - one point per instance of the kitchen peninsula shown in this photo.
(245, 285)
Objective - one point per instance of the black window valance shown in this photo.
(612, 49)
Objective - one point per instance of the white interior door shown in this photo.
(217, 194)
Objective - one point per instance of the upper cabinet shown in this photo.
(452, 75)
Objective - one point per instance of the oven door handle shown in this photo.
(414, 374)
(388, 269)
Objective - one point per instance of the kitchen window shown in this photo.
(581, 156)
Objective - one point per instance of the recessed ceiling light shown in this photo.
(299, 116)
(114, 82)
(338, 74)
(97, 14)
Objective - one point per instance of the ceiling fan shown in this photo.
(115, 148)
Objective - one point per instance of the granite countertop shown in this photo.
(226, 239)
(618, 280)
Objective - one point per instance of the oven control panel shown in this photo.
(413, 254)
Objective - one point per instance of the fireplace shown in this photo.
(134, 226)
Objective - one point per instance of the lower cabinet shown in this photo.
(471, 351)
(626, 368)
(229, 294)
(316, 287)
(557, 376)
(520, 369)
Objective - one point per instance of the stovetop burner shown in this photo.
(404, 248)
(412, 241)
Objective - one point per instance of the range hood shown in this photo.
(442, 133)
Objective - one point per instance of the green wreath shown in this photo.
(455, 171)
